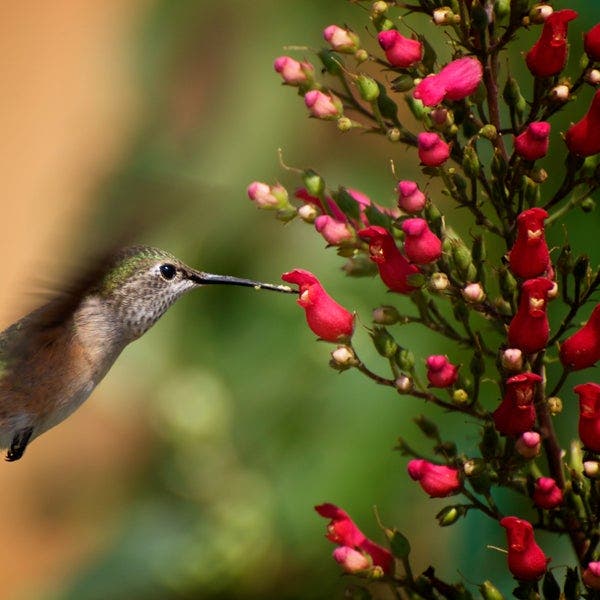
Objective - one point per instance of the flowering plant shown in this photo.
(478, 135)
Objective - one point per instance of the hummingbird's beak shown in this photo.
(209, 278)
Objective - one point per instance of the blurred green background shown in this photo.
(193, 470)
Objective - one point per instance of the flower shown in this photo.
(589, 414)
(341, 40)
(583, 138)
(591, 43)
(533, 142)
(433, 150)
(455, 81)
(323, 105)
(438, 481)
(529, 444)
(421, 245)
(591, 575)
(335, 232)
(292, 71)
(394, 269)
(516, 413)
(266, 196)
(343, 531)
(441, 372)
(529, 328)
(410, 198)
(400, 51)
(526, 560)
(529, 256)
(549, 54)
(351, 560)
(326, 318)
(547, 494)
(582, 349)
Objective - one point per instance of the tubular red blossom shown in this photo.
(526, 560)
(529, 257)
(547, 494)
(293, 72)
(421, 245)
(433, 150)
(400, 51)
(591, 43)
(534, 141)
(441, 372)
(323, 106)
(341, 40)
(549, 54)
(516, 413)
(335, 232)
(582, 349)
(529, 328)
(410, 198)
(436, 480)
(394, 269)
(455, 81)
(343, 531)
(583, 138)
(591, 575)
(589, 414)
(326, 318)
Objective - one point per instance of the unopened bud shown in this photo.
(445, 16)
(385, 315)
(588, 205)
(555, 405)
(439, 116)
(470, 162)
(489, 132)
(512, 359)
(539, 175)
(428, 427)
(403, 384)
(367, 87)
(508, 284)
(406, 360)
(489, 591)
(417, 108)
(473, 467)
(402, 83)
(529, 444)
(439, 282)
(462, 257)
(591, 469)
(384, 343)
(313, 182)
(473, 293)
(344, 355)
(460, 397)
(512, 95)
(379, 7)
(308, 213)
(501, 10)
(531, 193)
(560, 93)
(344, 124)
(361, 55)
(449, 515)
(393, 134)
(540, 12)
(593, 76)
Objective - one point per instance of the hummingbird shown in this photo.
(52, 359)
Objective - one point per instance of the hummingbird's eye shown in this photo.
(168, 271)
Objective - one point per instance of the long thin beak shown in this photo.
(211, 279)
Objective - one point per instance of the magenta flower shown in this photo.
(293, 72)
(410, 198)
(455, 81)
(335, 232)
(341, 40)
(436, 480)
(533, 142)
(591, 575)
(516, 413)
(547, 494)
(421, 245)
(433, 150)
(322, 105)
(400, 51)
(441, 373)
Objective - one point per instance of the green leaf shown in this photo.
(347, 204)
(400, 545)
(376, 217)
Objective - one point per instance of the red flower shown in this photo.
(330, 321)
(549, 54)
(591, 43)
(516, 413)
(333, 231)
(410, 198)
(529, 328)
(526, 560)
(436, 480)
(589, 414)
(394, 269)
(547, 494)
(421, 245)
(441, 372)
(432, 149)
(400, 51)
(343, 531)
(533, 142)
(583, 138)
(529, 257)
(591, 575)
(582, 349)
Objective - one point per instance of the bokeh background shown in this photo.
(193, 470)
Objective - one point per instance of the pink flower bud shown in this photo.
(341, 40)
(343, 531)
(335, 232)
(441, 372)
(591, 469)
(326, 318)
(266, 196)
(473, 293)
(591, 575)
(400, 51)
(547, 494)
(433, 150)
(410, 198)
(526, 560)
(351, 560)
(549, 54)
(436, 480)
(512, 359)
(323, 106)
(591, 43)
(516, 413)
(589, 415)
(582, 349)
(529, 257)
(583, 138)
(529, 445)
(455, 81)
(533, 142)
(421, 245)
(529, 328)
(293, 72)
(394, 269)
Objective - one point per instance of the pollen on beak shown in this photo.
(534, 234)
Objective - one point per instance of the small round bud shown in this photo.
(445, 16)
(344, 124)
(539, 175)
(361, 55)
(540, 12)
(473, 467)
(308, 213)
(460, 397)
(512, 359)
(473, 293)
(385, 315)
(555, 405)
(379, 7)
(529, 445)
(588, 205)
(393, 134)
(593, 76)
(489, 132)
(560, 93)
(439, 116)
(439, 282)
(404, 384)
(449, 515)
(591, 469)
(344, 356)
(489, 591)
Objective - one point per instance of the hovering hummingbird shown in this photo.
(53, 358)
